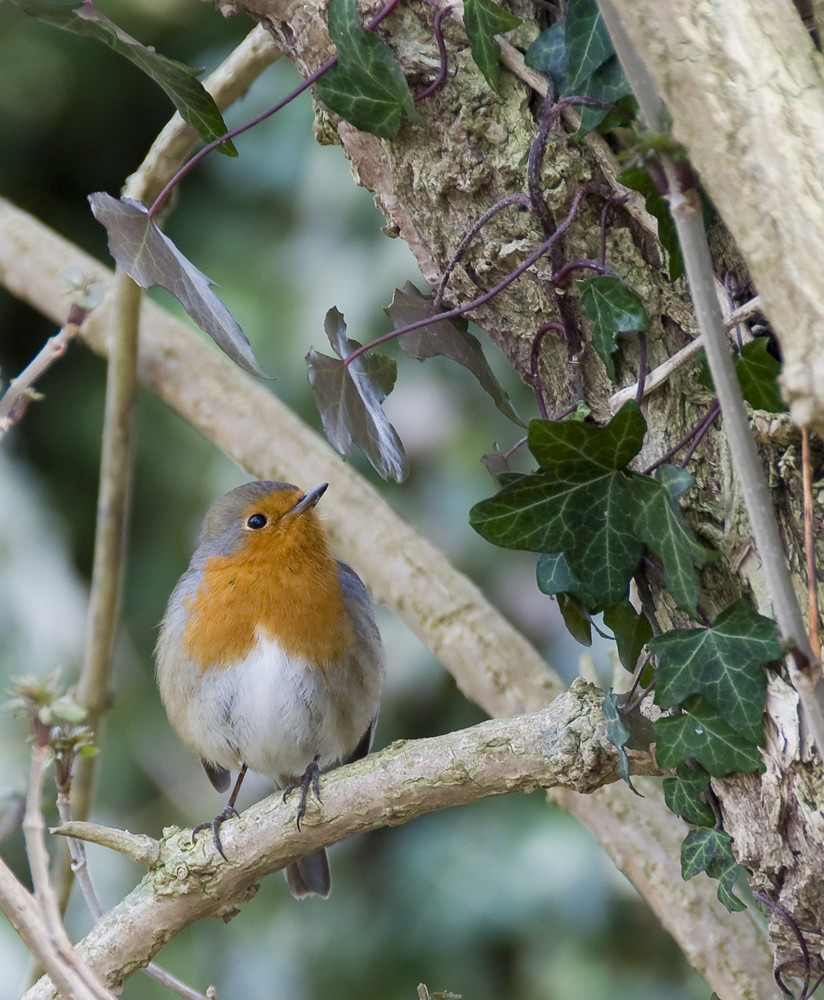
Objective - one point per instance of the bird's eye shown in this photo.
(256, 521)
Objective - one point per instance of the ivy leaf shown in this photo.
(758, 372)
(483, 19)
(576, 618)
(618, 735)
(554, 576)
(366, 85)
(684, 795)
(723, 663)
(349, 399)
(699, 732)
(548, 55)
(632, 632)
(607, 84)
(577, 504)
(150, 258)
(710, 851)
(637, 178)
(446, 338)
(659, 525)
(587, 40)
(195, 104)
(612, 308)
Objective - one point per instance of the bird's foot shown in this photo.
(214, 825)
(309, 779)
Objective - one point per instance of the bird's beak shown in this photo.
(309, 499)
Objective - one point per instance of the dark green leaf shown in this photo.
(631, 630)
(184, 90)
(684, 795)
(659, 525)
(366, 86)
(349, 400)
(587, 41)
(607, 84)
(577, 504)
(699, 732)
(618, 735)
(723, 663)
(484, 19)
(554, 576)
(638, 179)
(150, 258)
(612, 308)
(758, 372)
(447, 338)
(710, 851)
(548, 55)
(576, 618)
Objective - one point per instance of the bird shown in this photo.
(268, 655)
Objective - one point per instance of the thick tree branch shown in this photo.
(745, 89)
(563, 746)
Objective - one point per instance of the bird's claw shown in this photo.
(214, 825)
(309, 779)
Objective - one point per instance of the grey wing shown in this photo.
(369, 649)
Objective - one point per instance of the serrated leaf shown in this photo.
(684, 795)
(587, 40)
(612, 308)
(366, 85)
(618, 735)
(150, 258)
(638, 179)
(659, 524)
(483, 19)
(180, 83)
(631, 630)
(758, 372)
(349, 400)
(577, 504)
(554, 576)
(723, 663)
(699, 732)
(710, 851)
(445, 338)
(548, 55)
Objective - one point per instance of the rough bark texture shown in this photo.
(745, 90)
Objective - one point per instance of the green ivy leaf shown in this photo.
(632, 632)
(637, 178)
(607, 84)
(366, 86)
(618, 735)
(548, 55)
(684, 795)
(554, 576)
(349, 399)
(659, 525)
(710, 851)
(483, 20)
(576, 617)
(577, 504)
(150, 258)
(758, 372)
(723, 663)
(181, 85)
(612, 308)
(446, 338)
(699, 732)
(587, 40)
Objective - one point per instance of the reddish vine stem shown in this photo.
(513, 199)
(439, 39)
(780, 911)
(534, 355)
(695, 435)
(190, 164)
(513, 276)
(583, 264)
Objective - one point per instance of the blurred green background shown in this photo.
(508, 898)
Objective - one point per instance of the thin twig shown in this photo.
(439, 39)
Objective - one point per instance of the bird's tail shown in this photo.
(309, 876)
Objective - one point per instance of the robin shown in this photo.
(269, 658)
